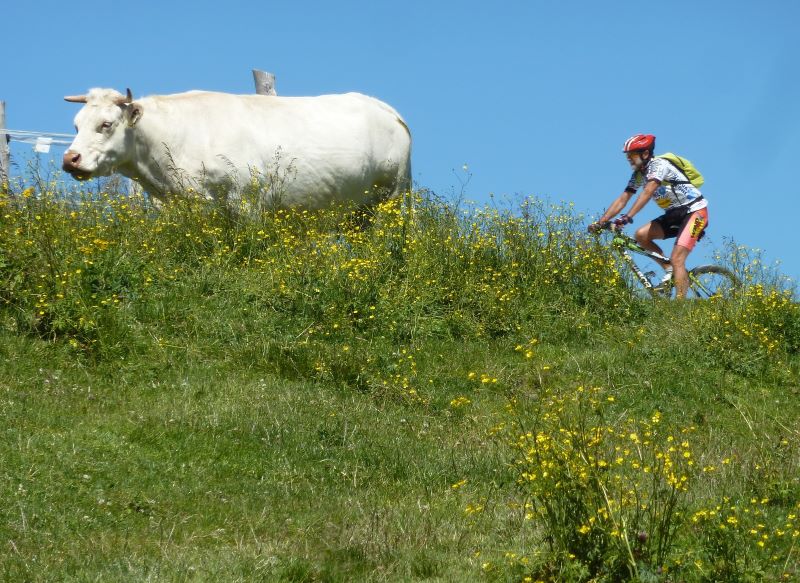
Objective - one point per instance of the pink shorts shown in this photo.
(693, 228)
(689, 228)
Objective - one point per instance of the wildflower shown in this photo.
(473, 509)
(459, 402)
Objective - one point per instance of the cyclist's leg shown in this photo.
(690, 232)
(679, 273)
(647, 233)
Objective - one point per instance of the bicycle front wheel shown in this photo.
(706, 281)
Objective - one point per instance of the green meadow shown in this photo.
(430, 391)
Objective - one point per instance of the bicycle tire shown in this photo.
(706, 281)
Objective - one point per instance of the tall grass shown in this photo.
(421, 391)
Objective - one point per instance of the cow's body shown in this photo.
(307, 151)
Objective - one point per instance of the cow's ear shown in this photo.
(134, 113)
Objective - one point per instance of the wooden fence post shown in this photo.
(265, 82)
(4, 158)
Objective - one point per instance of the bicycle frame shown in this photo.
(624, 244)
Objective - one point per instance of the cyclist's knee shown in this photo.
(642, 235)
(679, 255)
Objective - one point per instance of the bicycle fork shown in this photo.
(625, 245)
(639, 273)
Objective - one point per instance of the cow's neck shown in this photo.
(143, 168)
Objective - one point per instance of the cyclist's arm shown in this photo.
(644, 198)
(620, 203)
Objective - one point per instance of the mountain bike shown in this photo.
(705, 281)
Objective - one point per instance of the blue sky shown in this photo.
(535, 97)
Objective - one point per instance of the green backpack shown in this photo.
(687, 168)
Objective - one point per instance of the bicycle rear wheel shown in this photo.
(707, 281)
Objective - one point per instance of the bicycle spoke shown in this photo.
(712, 281)
(705, 281)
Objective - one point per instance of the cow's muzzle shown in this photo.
(71, 164)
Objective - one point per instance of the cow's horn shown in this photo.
(75, 98)
(124, 100)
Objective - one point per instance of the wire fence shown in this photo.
(23, 161)
(34, 160)
(41, 141)
(30, 152)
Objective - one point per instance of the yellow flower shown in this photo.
(459, 402)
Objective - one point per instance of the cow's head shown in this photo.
(102, 125)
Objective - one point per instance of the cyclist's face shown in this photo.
(635, 160)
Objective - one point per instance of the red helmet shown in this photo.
(639, 143)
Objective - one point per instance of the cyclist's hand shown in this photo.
(598, 226)
(622, 220)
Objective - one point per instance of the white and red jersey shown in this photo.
(675, 190)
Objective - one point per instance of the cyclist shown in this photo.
(685, 209)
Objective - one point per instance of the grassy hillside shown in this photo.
(447, 394)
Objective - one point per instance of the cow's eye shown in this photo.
(105, 125)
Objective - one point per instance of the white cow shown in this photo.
(307, 151)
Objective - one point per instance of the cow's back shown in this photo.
(329, 147)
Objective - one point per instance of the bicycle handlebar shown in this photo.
(606, 226)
